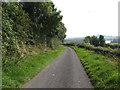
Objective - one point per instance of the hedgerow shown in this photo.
(29, 24)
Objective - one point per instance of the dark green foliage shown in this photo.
(102, 40)
(102, 50)
(15, 29)
(95, 40)
(113, 45)
(46, 22)
(87, 39)
(30, 23)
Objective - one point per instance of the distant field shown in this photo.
(103, 71)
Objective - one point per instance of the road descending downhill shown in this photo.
(66, 71)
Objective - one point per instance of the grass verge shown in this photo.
(15, 75)
(102, 70)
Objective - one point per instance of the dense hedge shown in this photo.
(114, 46)
(30, 24)
(102, 50)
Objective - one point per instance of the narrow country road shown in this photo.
(66, 71)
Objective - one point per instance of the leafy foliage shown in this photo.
(95, 40)
(30, 23)
(102, 40)
(102, 50)
(15, 29)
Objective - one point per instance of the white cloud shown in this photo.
(89, 17)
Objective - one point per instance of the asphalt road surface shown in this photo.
(66, 71)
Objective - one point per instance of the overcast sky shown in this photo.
(89, 17)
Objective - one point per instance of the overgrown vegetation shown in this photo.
(95, 40)
(27, 25)
(102, 50)
(113, 45)
(30, 30)
(103, 71)
(15, 75)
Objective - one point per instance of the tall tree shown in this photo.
(87, 39)
(30, 23)
(102, 40)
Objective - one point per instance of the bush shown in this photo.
(99, 49)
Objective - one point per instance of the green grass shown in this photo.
(102, 70)
(114, 43)
(15, 75)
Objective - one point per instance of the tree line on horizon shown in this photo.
(94, 40)
(30, 23)
(116, 40)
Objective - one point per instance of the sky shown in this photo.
(89, 17)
